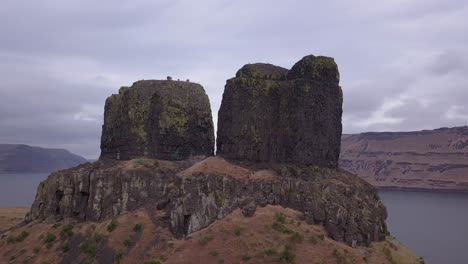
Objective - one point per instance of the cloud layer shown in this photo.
(403, 63)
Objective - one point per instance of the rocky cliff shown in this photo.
(18, 158)
(270, 114)
(193, 194)
(158, 119)
(426, 160)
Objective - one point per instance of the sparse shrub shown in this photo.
(89, 247)
(296, 237)
(65, 248)
(67, 231)
(118, 256)
(50, 238)
(153, 262)
(269, 251)
(280, 218)
(98, 237)
(163, 257)
(22, 251)
(365, 259)
(214, 253)
(321, 237)
(127, 242)
(205, 240)
(56, 225)
(237, 231)
(246, 257)
(287, 256)
(421, 260)
(112, 226)
(36, 250)
(340, 258)
(22, 236)
(137, 228)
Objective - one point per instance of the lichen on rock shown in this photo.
(270, 114)
(158, 119)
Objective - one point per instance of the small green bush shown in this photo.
(89, 247)
(137, 228)
(205, 240)
(280, 218)
(65, 248)
(127, 242)
(50, 238)
(67, 231)
(269, 251)
(296, 237)
(287, 256)
(214, 253)
(118, 256)
(112, 226)
(246, 257)
(98, 237)
(322, 237)
(153, 262)
(237, 231)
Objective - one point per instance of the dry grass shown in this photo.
(11, 216)
(273, 235)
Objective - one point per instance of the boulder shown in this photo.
(168, 120)
(270, 114)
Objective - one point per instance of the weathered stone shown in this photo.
(270, 115)
(158, 119)
(347, 206)
(249, 209)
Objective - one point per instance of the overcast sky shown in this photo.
(403, 63)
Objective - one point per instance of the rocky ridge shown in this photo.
(191, 191)
(420, 160)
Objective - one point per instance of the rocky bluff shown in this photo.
(148, 123)
(158, 119)
(270, 114)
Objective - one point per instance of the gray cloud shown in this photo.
(403, 63)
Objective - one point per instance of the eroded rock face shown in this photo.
(270, 114)
(195, 196)
(168, 120)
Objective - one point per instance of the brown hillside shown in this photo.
(428, 160)
(273, 235)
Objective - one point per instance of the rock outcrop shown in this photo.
(423, 160)
(270, 114)
(158, 119)
(283, 128)
(195, 193)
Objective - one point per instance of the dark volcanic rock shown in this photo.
(195, 196)
(271, 115)
(159, 119)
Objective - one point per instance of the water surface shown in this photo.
(19, 189)
(432, 225)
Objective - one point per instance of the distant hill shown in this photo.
(429, 159)
(25, 159)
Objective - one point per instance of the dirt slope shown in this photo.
(273, 235)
